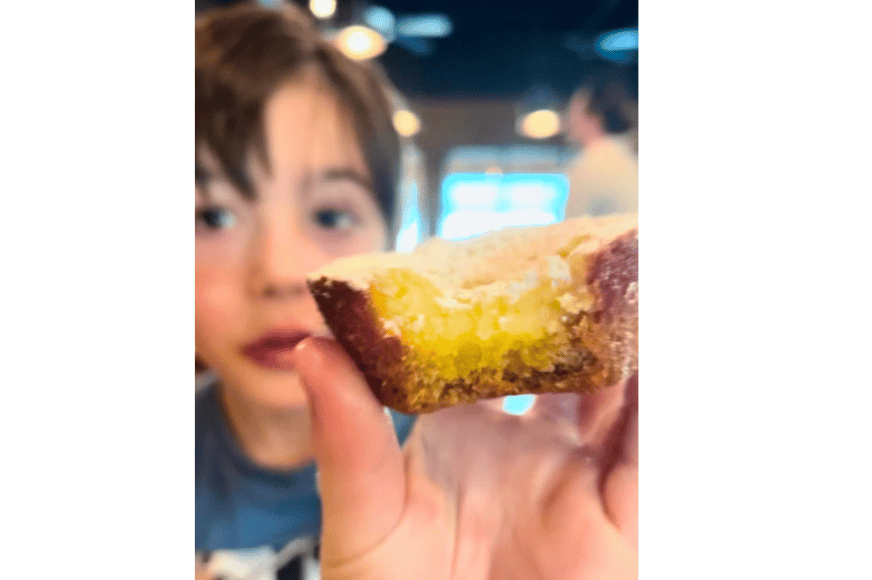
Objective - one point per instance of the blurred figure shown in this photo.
(604, 176)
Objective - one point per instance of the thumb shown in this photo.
(360, 465)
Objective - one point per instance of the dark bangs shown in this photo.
(245, 53)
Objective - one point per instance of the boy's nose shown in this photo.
(284, 257)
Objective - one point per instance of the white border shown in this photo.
(754, 220)
(97, 426)
(754, 215)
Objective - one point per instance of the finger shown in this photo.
(621, 500)
(631, 437)
(573, 508)
(360, 465)
(620, 467)
(615, 432)
(597, 412)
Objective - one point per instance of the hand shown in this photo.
(476, 494)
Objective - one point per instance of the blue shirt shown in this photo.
(240, 505)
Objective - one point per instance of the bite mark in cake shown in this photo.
(522, 310)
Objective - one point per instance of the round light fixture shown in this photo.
(360, 42)
(322, 8)
(540, 124)
(406, 123)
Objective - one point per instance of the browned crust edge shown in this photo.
(606, 336)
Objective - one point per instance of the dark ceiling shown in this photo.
(500, 49)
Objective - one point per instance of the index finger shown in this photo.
(598, 411)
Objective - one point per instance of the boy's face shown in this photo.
(314, 205)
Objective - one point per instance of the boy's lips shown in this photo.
(272, 350)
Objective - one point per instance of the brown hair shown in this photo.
(246, 52)
(611, 103)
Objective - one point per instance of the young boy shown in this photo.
(296, 166)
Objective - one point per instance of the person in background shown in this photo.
(604, 176)
(296, 165)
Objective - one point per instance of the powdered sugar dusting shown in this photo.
(507, 262)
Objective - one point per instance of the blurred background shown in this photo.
(480, 94)
(480, 90)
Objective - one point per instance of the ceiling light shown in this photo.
(620, 46)
(360, 42)
(620, 40)
(322, 8)
(380, 19)
(540, 124)
(425, 25)
(406, 123)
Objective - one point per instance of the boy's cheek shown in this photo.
(217, 312)
(217, 292)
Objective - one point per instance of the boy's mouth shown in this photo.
(273, 350)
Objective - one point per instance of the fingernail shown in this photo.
(303, 347)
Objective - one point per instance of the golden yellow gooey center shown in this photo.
(453, 334)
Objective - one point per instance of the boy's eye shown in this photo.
(215, 218)
(334, 219)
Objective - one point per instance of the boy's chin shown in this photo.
(279, 391)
